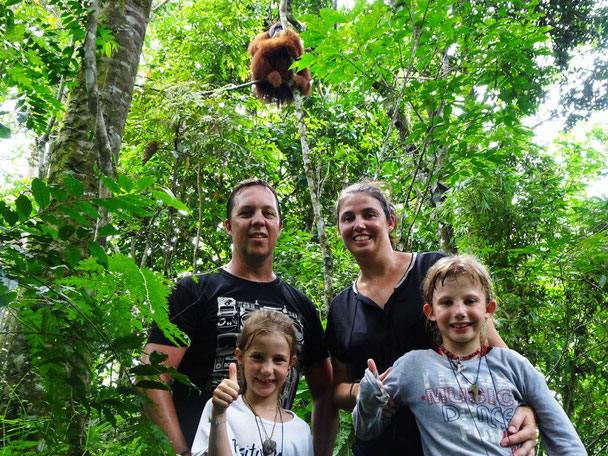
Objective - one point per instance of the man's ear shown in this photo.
(490, 308)
(428, 311)
(228, 226)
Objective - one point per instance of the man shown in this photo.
(210, 310)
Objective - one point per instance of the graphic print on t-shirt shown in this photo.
(231, 314)
(486, 420)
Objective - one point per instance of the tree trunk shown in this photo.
(313, 187)
(76, 152)
(286, 14)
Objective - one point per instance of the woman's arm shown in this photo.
(522, 429)
(494, 339)
(345, 390)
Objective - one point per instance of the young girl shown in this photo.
(464, 394)
(252, 423)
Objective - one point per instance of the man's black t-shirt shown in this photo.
(210, 308)
(359, 329)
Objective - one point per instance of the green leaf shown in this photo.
(108, 49)
(149, 384)
(5, 132)
(74, 215)
(111, 184)
(87, 208)
(72, 255)
(50, 219)
(59, 194)
(24, 206)
(65, 232)
(125, 183)
(167, 197)
(144, 183)
(6, 296)
(331, 16)
(130, 342)
(108, 230)
(10, 216)
(145, 370)
(157, 357)
(98, 253)
(41, 193)
(73, 186)
(111, 204)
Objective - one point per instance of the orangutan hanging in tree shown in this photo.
(272, 53)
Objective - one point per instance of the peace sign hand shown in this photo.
(389, 410)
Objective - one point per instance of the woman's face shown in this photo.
(362, 224)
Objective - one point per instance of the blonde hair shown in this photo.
(452, 267)
(265, 322)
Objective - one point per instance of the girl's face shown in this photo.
(266, 363)
(362, 224)
(460, 308)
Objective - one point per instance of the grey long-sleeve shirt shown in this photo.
(449, 420)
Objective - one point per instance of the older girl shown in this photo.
(464, 393)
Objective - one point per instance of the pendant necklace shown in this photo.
(269, 446)
(458, 367)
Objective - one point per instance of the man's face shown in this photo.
(254, 224)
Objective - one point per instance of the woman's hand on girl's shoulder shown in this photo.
(226, 392)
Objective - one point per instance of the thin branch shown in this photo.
(159, 6)
(229, 88)
(200, 218)
(417, 31)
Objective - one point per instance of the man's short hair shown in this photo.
(246, 184)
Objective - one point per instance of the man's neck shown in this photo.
(255, 273)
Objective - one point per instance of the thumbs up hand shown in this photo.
(226, 393)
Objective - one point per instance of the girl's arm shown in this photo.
(224, 395)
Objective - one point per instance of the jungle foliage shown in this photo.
(428, 97)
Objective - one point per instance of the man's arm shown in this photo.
(163, 411)
(325, 419)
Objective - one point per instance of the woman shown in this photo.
(380, 316)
